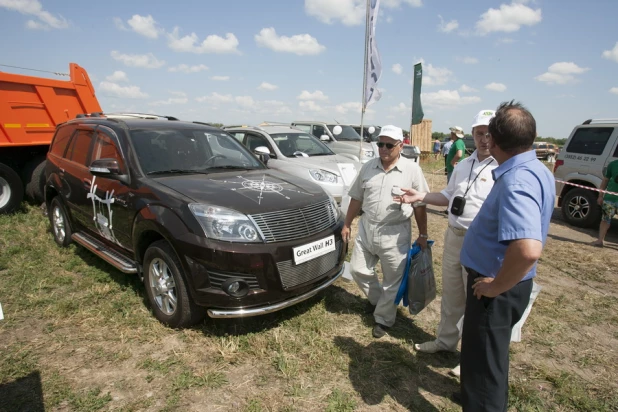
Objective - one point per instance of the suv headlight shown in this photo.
(225, 224)
(323, 176)
(368, 153)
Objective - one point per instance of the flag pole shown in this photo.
(412, 105)
(363, 107)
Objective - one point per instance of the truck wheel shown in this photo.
(60, 224)
(580, 208)
(166, 288)
(11, 189)
(34, 178)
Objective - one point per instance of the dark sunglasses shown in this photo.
(389, 146)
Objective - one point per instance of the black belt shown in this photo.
(472, 272)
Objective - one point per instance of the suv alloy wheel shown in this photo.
(580, 208)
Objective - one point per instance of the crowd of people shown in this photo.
(499, 202)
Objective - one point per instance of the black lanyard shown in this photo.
(477, 176)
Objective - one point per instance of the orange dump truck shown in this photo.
(30, 109)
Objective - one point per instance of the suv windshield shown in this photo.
(347, 133)
(182, 150)
(289, 143)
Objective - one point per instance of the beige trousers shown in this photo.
(389, 244)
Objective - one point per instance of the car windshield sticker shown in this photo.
(102, 222)
(257, 189)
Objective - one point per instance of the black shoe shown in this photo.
(445, 212)
(369, 308)
(456, 397)
(379, 330)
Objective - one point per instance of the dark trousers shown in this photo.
(485, 341)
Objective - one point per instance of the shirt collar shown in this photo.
(380, 166)
(474, 156)
(513, 162)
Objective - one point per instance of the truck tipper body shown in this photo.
(30, 109)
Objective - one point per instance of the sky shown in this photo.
(247, 61)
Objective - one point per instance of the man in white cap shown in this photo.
(457, 151)
(466, 191)
(384, 229)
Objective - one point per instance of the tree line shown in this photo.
(560, 142)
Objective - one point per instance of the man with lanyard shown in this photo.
(384, 229)
(500, 252)
(471, 181)
(457, 151)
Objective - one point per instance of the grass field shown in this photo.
(78, 336)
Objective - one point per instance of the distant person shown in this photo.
(406, 139)
(608, 202)
(500, 253)
(445, 149)
(436, 148)
(457, 152)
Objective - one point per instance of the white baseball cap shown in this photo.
(393, 132)
(483, 117)
(458, 130)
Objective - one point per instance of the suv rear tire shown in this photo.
(580, 208)
(166, 287)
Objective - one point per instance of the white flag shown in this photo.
(373, 65)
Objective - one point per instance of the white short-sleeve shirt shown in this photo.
(464, 176)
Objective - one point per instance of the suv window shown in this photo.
(289, 143)
(80, 145)
(304, 127)
(255, 141)
(318, 131)
(347, 133)
(105, 148)
(590, 140)
(61, 141)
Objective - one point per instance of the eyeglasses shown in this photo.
(389, 146)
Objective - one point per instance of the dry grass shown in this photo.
(78, 336)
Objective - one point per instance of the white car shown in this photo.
(295, 152)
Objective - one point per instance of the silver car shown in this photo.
(295, 152)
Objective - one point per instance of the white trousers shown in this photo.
(454, 280)
(389, 244)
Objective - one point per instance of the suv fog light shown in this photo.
(235, 287)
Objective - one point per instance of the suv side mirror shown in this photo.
(107, 168)
(263, 153)
(324, 138)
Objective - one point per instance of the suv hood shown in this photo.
(247, 191)
(328, 162)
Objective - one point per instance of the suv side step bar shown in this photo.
(112, 257)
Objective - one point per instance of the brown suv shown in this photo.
(207, 225)
(546, 151)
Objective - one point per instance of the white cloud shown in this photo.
(397, 68)
(216, 98)
(614, 90)
(300, 44)
(310, 105)
(180, 99)
(561, 73)
(185, 68)
(211, 44)
(612, 54)
(245, 101)
(447, 27)
(447, 99)
(125, 92)
(117, 76)
(147, 61)
(401, 108)
(348, 12)
(354, 107)
(467, 89)
(317, 95)
(119, 24)
(144, 25)
(505, 40)
(220, 78)
(508, 18)
(267, 86)
(495, 87)
(46, 20)
(436, 76)
(468, 60)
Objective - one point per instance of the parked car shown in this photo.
(546, 151)
(583, 161)
(371, 134)
(208, 227)
(341, 139)
(295, 152)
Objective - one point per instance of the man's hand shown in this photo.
(422, 242)
(345, 233)
(410, 196)
(483, 287)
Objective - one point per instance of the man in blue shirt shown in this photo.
(500, 253)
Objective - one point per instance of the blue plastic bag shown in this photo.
(418, 285)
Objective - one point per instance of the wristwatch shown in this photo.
(422, 235)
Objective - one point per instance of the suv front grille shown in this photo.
(294, 275)
(292, 224)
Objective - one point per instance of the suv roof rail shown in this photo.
(269, 123)
(93, 114)
(244, 126)
(150, 116)
(589, 121)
